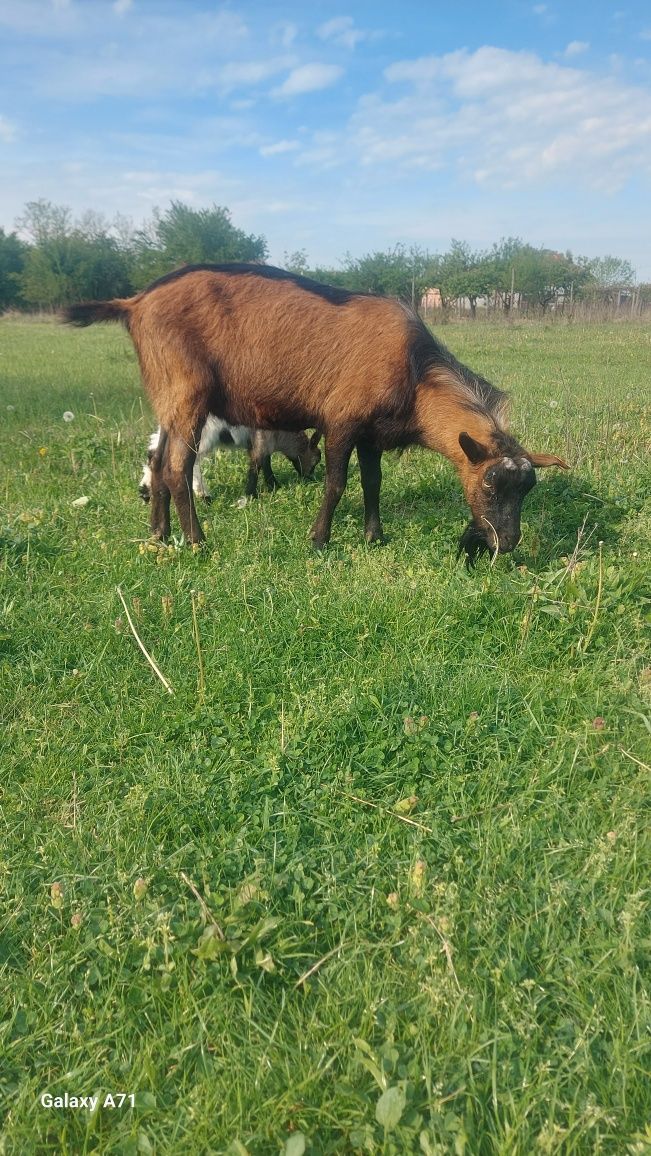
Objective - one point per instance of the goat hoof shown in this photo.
(318, 542)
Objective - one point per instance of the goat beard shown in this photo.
(473, 543)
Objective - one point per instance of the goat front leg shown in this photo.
(178, 469)
(338, 448)
(370, 469)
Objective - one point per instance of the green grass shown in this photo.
(480, 979)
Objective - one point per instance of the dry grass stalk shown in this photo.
(208, 917)
(388, 811)
(146, 653)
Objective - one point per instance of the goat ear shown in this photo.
(541, 460)
(316, 438)
(474, 451)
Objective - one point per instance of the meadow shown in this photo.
(375, 877)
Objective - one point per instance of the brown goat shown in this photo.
(260, 347)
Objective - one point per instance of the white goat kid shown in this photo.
(302, 452)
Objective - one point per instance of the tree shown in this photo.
(611, 273)
(67, 262)
(464, 273)
(297, 262)
(535, 276)
(185, 236)
(12, 260)
(399, 272)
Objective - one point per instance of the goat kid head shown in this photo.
(496, 481)
(307, 454)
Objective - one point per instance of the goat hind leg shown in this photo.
(159, 490)
(179, 465)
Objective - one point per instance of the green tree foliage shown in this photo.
(611, 273)
(62, 260)
(464, 273)
(399, 272)
(68, 262)
(185, 236)
(297, 262)
(534, 276)
(12, 259)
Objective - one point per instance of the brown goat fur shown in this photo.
(260, 347)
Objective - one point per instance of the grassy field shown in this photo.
(376, 877)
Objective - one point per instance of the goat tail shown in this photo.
(88, 312)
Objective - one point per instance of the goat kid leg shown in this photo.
(251, 490)
(338, 450)
(178, 468)
(371, 474)
(198, 483)
(269, 476)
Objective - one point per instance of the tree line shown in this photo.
(52, 259)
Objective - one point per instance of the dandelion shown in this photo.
(56, 896)
(68, 415)
(42, 451)
(405, 806)
(417, 878)
(140, 889)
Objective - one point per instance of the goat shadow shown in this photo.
(554, 514)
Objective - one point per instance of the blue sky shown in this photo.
(338, 127)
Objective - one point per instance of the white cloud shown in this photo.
(341, 30)
(284, 33)
(281, 146)
(245, 73)
(326, 152)
(7, 130)
(503, 119)
(154, 187)
(576, 47)
(160, 48)
(309, 78)
(43, 18)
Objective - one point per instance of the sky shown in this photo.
(338, 128)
